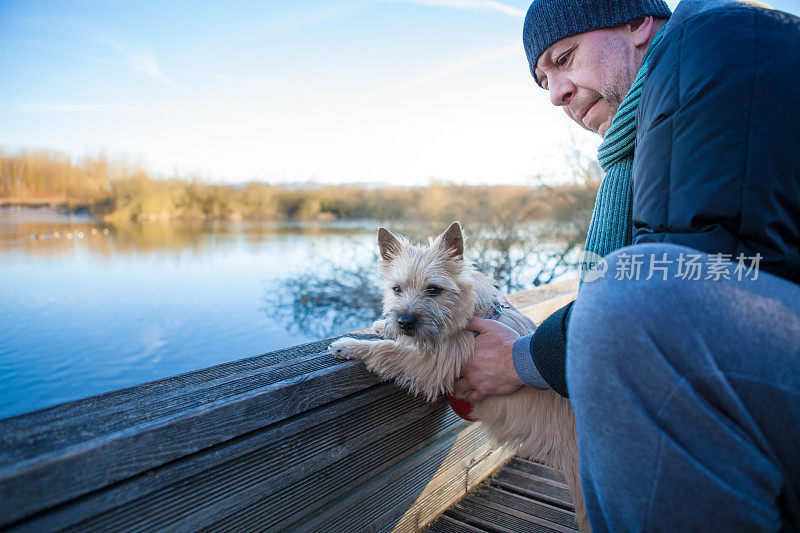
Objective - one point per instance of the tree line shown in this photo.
(121, 191)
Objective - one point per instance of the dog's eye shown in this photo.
(397, 290)
(433, 291)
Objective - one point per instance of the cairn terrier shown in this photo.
(430, 294)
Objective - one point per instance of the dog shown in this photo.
(430, 294)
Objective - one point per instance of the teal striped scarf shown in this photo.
(611, 225)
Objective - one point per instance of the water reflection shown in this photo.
(87, 307)
(43, 231)
(84, 315)
(321, 303)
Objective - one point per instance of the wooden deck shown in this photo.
(522, 497)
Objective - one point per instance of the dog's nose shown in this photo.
(407, 322)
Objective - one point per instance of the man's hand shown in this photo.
(491, 371)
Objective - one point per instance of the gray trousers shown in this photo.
(687, 394)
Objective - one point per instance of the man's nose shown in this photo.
(561, 90)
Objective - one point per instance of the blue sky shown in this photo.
(399, 91)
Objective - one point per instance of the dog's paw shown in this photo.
(343, 348)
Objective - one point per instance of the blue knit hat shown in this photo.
(549, 21)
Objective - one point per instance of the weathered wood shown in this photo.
(551, 515)
(101, 415)
(450, 484)
(537, 469)
(453, 466)
(536, 487)
(540, 302)
(332, 484)
(483, 512)
(446, 524)
(290, 439)
(280, 459)
(39, 469)
(496, 506)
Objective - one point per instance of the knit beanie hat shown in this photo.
(549, 21)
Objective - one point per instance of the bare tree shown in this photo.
(519, 241)
(560, 244)
(523, 243)
(346, 298)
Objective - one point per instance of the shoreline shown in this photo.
(34, 201)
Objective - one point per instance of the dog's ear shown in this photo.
(388, 244)
(453, 240)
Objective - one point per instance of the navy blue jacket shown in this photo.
(717, 160)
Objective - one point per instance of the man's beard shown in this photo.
(615, 94)
(612, 97)
(612, 94)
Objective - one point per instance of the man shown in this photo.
(682, 361)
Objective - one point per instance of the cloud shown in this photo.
(464, 64)
(143, 63)
(238, 80)
(34, 106)
(477, 5)
(51, 107)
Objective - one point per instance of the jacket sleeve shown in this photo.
(541, 359)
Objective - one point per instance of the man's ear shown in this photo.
(389, 244)
(642, 29)
(453, 240)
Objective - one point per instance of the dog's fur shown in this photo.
(441, 291)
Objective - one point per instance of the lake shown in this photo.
(87, 308)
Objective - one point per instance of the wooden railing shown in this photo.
(290, 440)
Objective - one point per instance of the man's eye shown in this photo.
(433, 291)
(561, 61)
(397, 290)
(542, 80)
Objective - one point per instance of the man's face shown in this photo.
(588, 75)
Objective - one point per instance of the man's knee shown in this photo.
(610, 313)
(600, 319)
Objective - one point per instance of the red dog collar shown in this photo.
(462, 408)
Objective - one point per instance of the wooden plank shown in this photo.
(481, 512)
(387, 503)
(541, 311)
(325, 487)
(50, 478)
(445, 524)
(494, 508)
(537, 469)
(538, 303)
(495, 524)
(556, 516)
(535, 487)
(105, 414)
(447, 487)
(195, 491)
